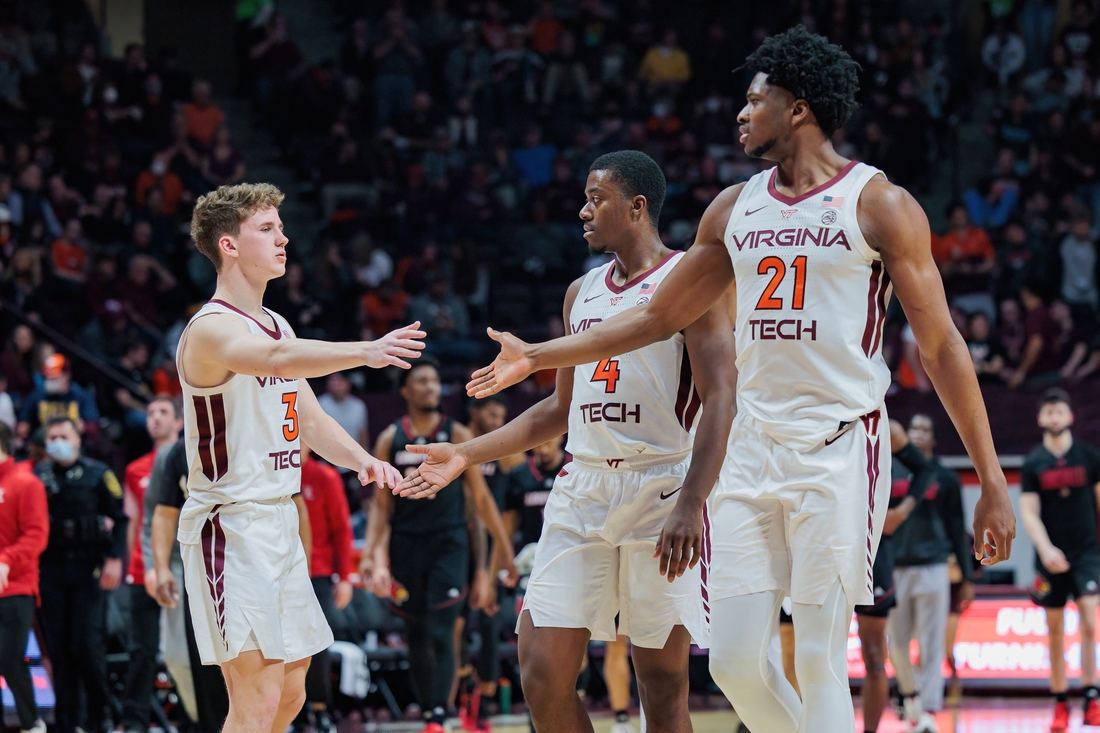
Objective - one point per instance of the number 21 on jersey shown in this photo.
(778, 269)
(607, 371)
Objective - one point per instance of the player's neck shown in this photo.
(234, 288)
(1058, 445)
(807, 165)
(423, 421)
(642, 257)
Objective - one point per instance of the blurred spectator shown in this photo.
(202, 116)
(345, 408)
(396, 56)
(468, 68)
(158, 177)
(24, 532)
(224, 164)
(20, 361)
(277, 62)
(665, 67)
(1078, 253)
(59, 397)
(1003, 53)
(986, 351)
(536, 158)
(546, 29)
(1072, 342)
(966, 259)
(356, 56)
(383, 308)
(1079, 38)
(444, 316)
(566, 75)
(1041, 357)
(7, 405)
(289, 298)
(69, 253)
(30, 209)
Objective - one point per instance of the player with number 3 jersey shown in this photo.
(248, 409)
(630, 419)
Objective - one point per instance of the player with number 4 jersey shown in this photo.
(630, 419)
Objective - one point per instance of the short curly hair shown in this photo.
(811, 68)
(222, 211)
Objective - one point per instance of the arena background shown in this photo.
(445, 187)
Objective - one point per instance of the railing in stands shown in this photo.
(73, 349)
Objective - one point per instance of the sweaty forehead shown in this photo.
(602, 181)
(263, 215)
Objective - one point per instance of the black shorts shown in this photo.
(883, 578)
(433, 568)
(1082, 579)
(784, 617)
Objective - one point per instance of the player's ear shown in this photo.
(227, 247)
(800, 113)
(638, 207)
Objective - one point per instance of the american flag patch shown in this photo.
(832, 202)
(647, 288)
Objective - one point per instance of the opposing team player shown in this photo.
(1060, 480)
(628, 415)
(812, 247)
(247, 406)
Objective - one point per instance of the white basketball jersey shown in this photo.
(643, 402)
(811, 299)
(242, 436)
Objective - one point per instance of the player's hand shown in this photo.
(1054, 560)
(396, 346)
(444, 464)
(489, 602)
(681, 542)
(168, 590)
(379, 472)
(5, 569)
(111, 574)
(477, 590)
(510, 367)
(341, 594)
(150, 580)
(966, 595)
(376, 576)
(994, 526)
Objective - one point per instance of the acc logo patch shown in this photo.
(1041, 586)
(829, 217)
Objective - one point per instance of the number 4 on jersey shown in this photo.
(607, 371)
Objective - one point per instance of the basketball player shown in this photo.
(425, 546)
(629, 416)
(1060, 480)
(811, 248)
(247, 405)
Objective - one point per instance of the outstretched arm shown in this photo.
(329, 440)
(222, 342)
(712, 353)
(894, 223)
(541, 422)
(693, 286)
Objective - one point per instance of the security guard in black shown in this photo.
(87, 533)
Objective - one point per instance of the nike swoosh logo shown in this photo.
(750, 213)
(841, 433)
(594, 297)
(665, 496)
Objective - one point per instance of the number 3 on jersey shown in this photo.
(290, 432)
(607, 371)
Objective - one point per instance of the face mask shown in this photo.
(110, 95)
(158, 168)
(54, 386)
(60, 450)
(714, 104)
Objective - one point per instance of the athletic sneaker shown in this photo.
(926, 724)
(434, 728)
(911, 711)
(1092, 712)
(38, 727)
(622, 727)
(1061, 718)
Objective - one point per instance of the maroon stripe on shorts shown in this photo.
(202, 418)
(872, 480)
(221, 453)
(704, 564)
(213, 556)
(872, 307)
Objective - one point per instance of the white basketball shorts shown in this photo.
(797, 520)
(248, 583)
(595, 557)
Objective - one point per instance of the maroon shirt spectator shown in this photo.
(1041, 349)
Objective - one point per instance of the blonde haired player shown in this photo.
(247, 408)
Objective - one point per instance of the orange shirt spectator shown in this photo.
(384, 307)
(545, 31)
(157, 175)
(69, 258)
(962, 241)
(202, 117)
